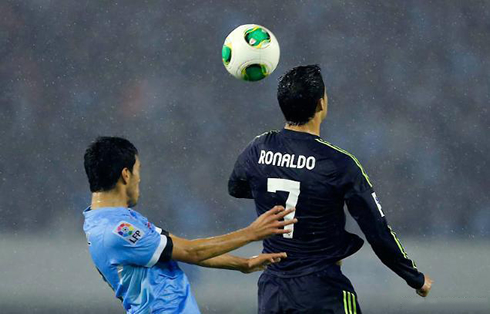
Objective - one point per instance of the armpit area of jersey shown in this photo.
(239, 188)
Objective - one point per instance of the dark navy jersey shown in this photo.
(301, 170)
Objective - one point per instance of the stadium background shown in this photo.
(408, 86)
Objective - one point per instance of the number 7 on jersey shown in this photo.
(292, 187)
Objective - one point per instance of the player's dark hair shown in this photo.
(298, 93)
(105, 159)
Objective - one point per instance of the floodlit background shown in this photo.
(408, 86)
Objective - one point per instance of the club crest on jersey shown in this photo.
(128, 232)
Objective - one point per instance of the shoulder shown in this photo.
(258, 140)
(134, 214)
(108, 218)
(124, 228)
(343, 159)
(263, 138)
(334, 152)
(265, 134)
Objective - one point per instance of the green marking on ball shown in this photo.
(257, 37)
(226, 54)
(254, 72)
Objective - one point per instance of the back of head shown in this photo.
(298, 93)
(105, 159)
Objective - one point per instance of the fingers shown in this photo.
(422, 293)
(272, 255)
(278, 213)
(278, 208)
(272, 223)
(283, 213)
(287, 222)
(277, 255)
(275, 210)
(272, 261)
(282, 231)
(429, 282)
(260, 262)
(280, 255)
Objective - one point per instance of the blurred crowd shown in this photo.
(408, 87)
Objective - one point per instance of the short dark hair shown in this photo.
(105, 159)
(298, 93)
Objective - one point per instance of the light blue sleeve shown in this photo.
(132, 242)
(145, 221)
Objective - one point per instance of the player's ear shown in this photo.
(321, 105)
(125, 175)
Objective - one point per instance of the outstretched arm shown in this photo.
(199, 250)
(383, 240)
(245, 265)
(365, 208)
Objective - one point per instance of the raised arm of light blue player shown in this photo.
(196, 251)
(231, 262)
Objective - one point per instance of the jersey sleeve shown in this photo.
(364, 207)
(136, 243)
(238, 184)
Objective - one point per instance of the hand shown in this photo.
(269, 224)
(260, 262)
(424, 291)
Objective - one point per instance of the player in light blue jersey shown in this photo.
(138, 259)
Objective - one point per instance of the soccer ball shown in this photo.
(250, 52)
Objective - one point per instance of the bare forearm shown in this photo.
(268, 224)
(225, 261)
(199, 250)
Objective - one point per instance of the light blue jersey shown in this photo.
(126, 249)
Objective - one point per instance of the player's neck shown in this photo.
(113, 198)
(312, 127)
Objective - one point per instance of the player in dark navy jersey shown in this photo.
(295, 167)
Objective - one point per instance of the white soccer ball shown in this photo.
(250, 52)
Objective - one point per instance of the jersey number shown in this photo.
(292, 187)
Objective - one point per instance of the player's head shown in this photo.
(110, 163)
(301, 94)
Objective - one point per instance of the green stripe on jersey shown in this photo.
(350, 306)
(348, 154)
(400, 246)
(354, 303)
(345, 303)
(349, 302)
